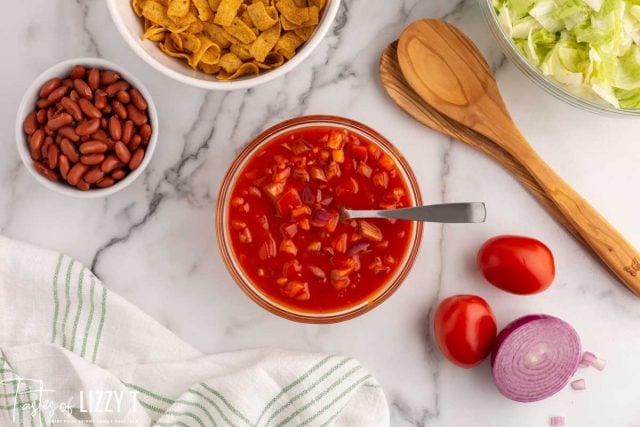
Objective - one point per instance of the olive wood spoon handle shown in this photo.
(448, 71)
(399, 91)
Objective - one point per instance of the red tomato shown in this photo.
(465, 329)
(520, 265)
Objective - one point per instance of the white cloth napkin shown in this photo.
(73, 353)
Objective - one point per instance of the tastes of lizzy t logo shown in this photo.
(26, 396)
(634, 268)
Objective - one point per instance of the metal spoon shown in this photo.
(445, 213)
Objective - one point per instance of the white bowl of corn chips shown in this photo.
(223, 44)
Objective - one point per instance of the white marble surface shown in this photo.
(155, 243)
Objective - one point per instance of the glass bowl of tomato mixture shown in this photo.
(279, 223)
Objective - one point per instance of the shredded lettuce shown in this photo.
(590, 46)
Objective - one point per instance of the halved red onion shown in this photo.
(534, 357)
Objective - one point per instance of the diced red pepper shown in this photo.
(364, 170)
(333, 223)
(318, 173)
(237, 202)
(301, 175)
(282, 176)
(238, 225)
(337, 156)
(333, 171)
(300, 211)
(340, 244)
(315, 246)
(374, 151)
(274, 189)
(386, 162)
(288, 247)
(359, 152)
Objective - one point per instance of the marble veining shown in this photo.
(155, 242)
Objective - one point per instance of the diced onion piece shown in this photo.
(364, 170)
(358, 248)
(534, 357)
(320, 218)
(289, 230)
(288, 247)
(557, 421)
(237, 201)
(370, 231)
(378, 267)
(336, 139)
(245, 236)
(340, 244)
(578, 384)
(301, 175)
(590, 359)
(288, 201)
(318, 272)
(318, 173)
(274, 189)
(299, 146)
(333, 223)
(333, 171)
(238, 225)
(296, 289)
(340, 278)
(381, 179)
(281, 176)
(268, 248)
(315, 246)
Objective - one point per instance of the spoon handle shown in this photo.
(607, 242)
(445, 213)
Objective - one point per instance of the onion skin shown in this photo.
(534, 357)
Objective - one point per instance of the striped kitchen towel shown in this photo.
(73, 353)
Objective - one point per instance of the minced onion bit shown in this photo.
(557, 421)
(590, 359)
(592, 47)
(579, 384)
(534, 357)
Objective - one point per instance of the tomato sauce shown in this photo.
(285, 224)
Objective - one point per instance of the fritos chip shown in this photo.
(265, 43)
(262, 17)
(229, 38)
(241, 31)
(227, 10)
(178, 8)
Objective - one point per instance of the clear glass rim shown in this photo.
(554, 88)
(236, 270)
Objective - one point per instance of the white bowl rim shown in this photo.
(308, 47)
(26, 106)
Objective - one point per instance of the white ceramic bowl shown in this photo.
(130, 26)
(28, 103)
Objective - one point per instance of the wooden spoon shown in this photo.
(399, 90)
(448, 71)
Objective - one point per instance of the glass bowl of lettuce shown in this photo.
(585, 52)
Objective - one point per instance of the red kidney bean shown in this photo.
(94, 175)
(69, 132)
(83, 185)
(110, 163)
(68, 83)
(30, 123)
(46, 172)
(100, 100)
(138, 100)
(116, 87)
(105, 182)
(136, 159)
(43, 103)
(88, 127)
(52, 156)
(78, 72)
(115, 128)
(59, 121)
(123, 153)
(127, 131)
(119, 109)
(83, 89)
(49, 87)
(89, 109)
(123, 97)
(41, 116)
(145, 133)
(64, 165)
(93, 147)
(92, 159)
(100, 135)
(57, 94)
(72, 108)
(137, 117)
(69, 150)
(93, 79)
(135, 142)
(108, 77)
(118, 174)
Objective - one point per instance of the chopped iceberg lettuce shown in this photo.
(590, 46)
